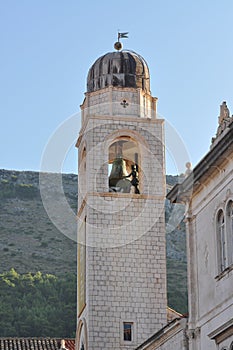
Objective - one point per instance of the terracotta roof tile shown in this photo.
(70, 344)
(35, 344)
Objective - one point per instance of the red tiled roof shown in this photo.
(35, 344)
(70, 344)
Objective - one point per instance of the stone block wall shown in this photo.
(126, 264)
(119, 102)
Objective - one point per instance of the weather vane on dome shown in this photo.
(118, 45)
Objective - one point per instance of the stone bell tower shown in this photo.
(121, 229)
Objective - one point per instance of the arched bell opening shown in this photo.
(124, 166)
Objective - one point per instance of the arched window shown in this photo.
(231, 346)
(229, 222)
(124, 165)
(82, 174)
(221, 236)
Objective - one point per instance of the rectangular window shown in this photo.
(128, 331)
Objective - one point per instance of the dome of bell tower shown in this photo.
(125, 69)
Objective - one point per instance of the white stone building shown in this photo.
(208, 194)
(122, 301)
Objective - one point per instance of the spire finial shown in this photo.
(118, 45)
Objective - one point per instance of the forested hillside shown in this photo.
(37, 305)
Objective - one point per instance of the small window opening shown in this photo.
(128, 334)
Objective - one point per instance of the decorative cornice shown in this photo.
(124, 195)
(222, 332)
(128, 119)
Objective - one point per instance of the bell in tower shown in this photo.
(118, 181)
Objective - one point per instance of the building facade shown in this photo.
(122, 298)
(208, 194)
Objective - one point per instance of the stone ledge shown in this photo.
(124, 195)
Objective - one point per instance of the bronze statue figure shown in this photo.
(135, 179)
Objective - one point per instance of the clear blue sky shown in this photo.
(47, 47)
